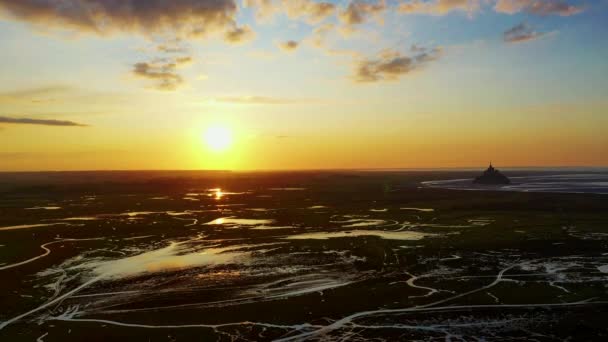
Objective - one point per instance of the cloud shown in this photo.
(180, 17)
(43, 122)
(164, 71)
(312, 11)
(521, 33)
(170, 49)
(289, 46)
(392, 65)
(359, 11)
(320, 33)
(239, 35)
(265, 10)
(36, 94)
(175, 45)
(264, 100)
(309, 10)
(438, 7)
(538, 7)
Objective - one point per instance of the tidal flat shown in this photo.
(293, 256)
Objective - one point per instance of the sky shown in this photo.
(302, 84)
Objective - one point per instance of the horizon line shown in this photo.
(387, 169)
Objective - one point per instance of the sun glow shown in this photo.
(218, 138)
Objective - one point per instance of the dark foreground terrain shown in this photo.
(296, 256)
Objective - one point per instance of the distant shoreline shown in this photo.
(568, 183)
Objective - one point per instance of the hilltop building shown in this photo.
(492, 177)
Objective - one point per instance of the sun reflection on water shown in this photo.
(216, 193)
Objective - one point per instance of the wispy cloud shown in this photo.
(391, 65)
(175, 45)
(521, 33)
(239, 35)
(265, 10)
(35, 94)
(43, 122)
(438, 7)
(538, 7)
(163, 71)
(311, 11)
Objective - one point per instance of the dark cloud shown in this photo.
(521, 33)
(289, 46)
(163, 71)
(392, 65)
(43, 122)
(538, 7)
(187, 17)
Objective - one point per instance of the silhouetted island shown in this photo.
(492, 177)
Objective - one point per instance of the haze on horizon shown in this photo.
(302, 84)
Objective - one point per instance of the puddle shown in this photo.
(141, 213)
(353, 223)
(386, 235)
(425, 210)
(231, 221)
(481, 221)
(287, 189)
(174, 257)
(191, 199)
(182, 213)
(83, 218)
(43, 208)
(317, 207)
(298, 286)
(272, 227)
(25, 226)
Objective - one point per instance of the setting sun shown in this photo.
(218, 138)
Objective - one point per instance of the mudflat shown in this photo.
(157, 256)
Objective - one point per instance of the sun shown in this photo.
(218, 138)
